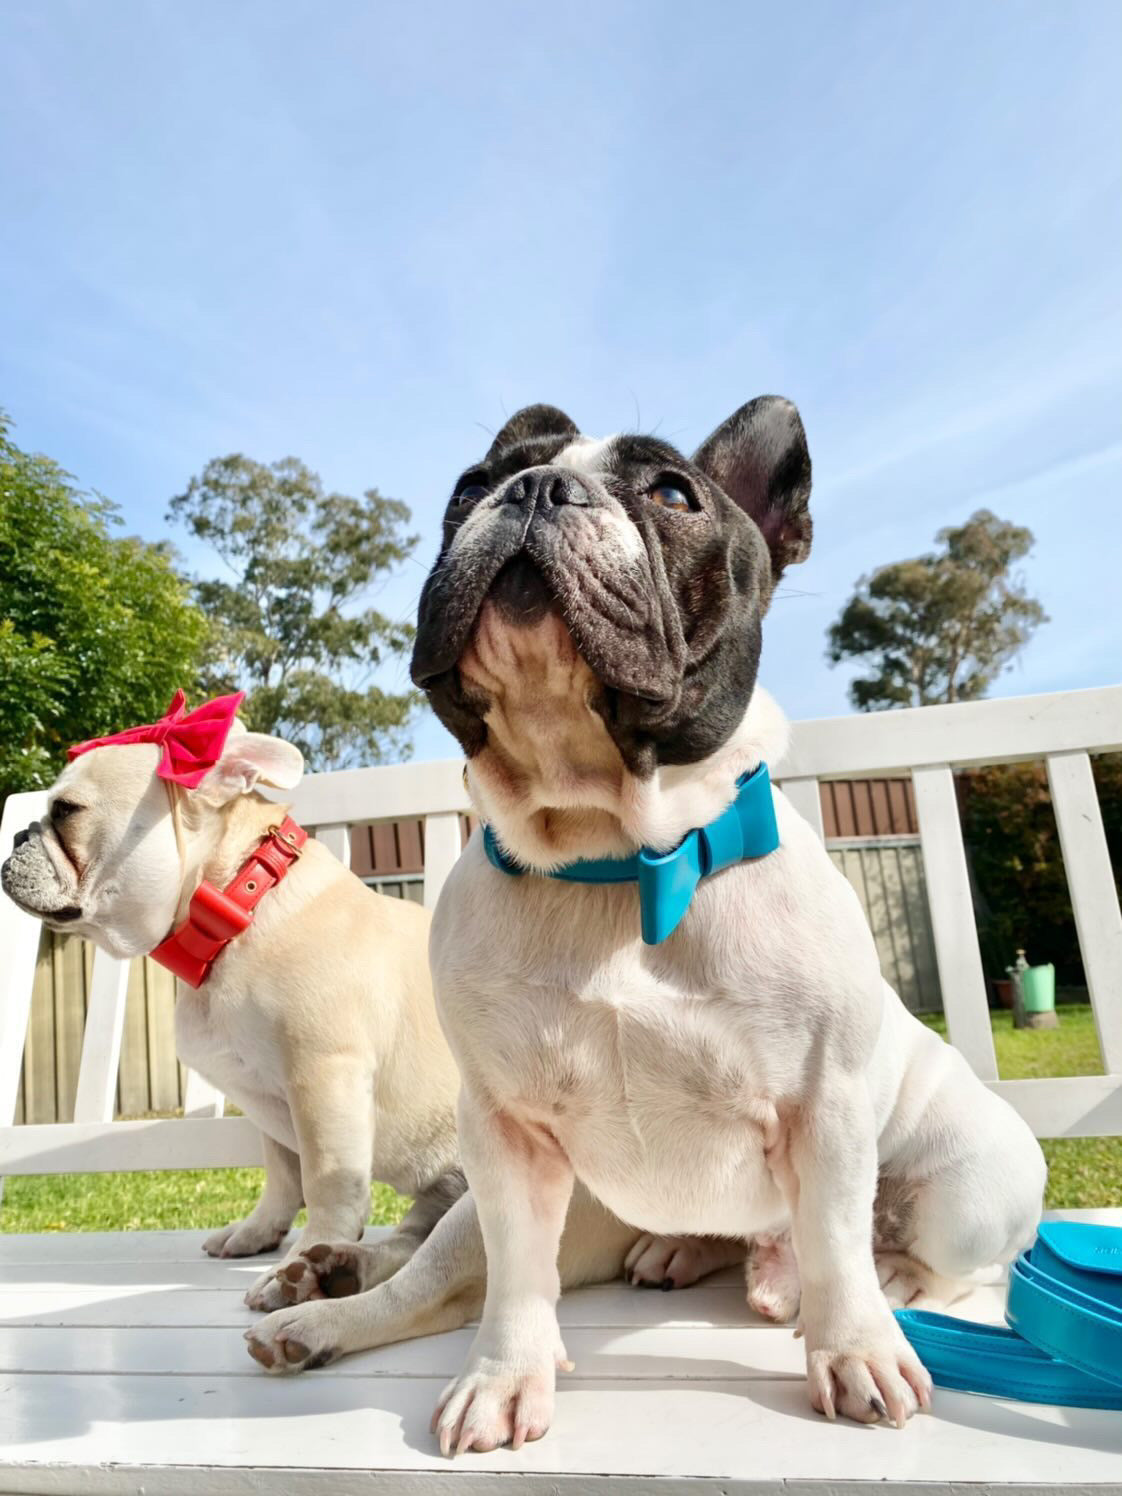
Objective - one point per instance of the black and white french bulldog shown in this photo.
(590, 632)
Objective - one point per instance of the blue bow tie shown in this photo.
(667, 880)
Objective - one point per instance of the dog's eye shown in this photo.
(469, 493)
(61, 810)
(669, 496)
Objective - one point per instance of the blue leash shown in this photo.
(1064, 1311)
(668, 880)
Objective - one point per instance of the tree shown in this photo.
(96, 631)
(1022, 895)
(289, 628)
(941, 627)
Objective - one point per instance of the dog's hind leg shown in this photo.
(965, 1223)
(772, 1277)
(964, 1198)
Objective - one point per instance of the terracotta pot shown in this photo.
(1003, 991)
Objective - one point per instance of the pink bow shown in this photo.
(192, 741)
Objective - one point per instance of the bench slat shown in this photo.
(19, 942)
(1094, 898)
(806, 796)
(959, 957)
(443, 844)
(162, 1143)
(753, 1436)
(101, 1042)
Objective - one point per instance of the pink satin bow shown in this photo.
(192, 741)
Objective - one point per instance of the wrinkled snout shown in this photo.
(31, 879)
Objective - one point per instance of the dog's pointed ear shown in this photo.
(533, 423)
(759, 457)
(250, 759)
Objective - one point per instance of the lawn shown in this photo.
(1082, 1171)
(179, 1200)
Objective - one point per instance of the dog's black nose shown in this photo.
(546, 486)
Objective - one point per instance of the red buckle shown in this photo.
(289, 841)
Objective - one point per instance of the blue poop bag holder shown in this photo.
(1064, 1311)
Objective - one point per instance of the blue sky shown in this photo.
(364, 233)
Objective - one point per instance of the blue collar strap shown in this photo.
(667, 880)
(1064, 1311)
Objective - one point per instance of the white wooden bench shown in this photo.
(121, 1362)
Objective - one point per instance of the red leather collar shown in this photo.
(217, 915)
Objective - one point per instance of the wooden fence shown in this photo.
(150, 1078)
(887, 874)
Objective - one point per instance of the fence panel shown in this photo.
(959, 957)
(888, 879)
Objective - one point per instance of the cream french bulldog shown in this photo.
(317, 1021)
(591, 633)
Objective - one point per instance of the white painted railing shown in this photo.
(929, 744)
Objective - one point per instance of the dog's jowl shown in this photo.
(591, 632)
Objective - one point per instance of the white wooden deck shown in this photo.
(122, 1370)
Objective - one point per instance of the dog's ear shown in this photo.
(533, 423)
(759, 457)
(250, 759)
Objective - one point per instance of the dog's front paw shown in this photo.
(873, 1374)
(246, 1238)
(496, 1402)
(292, 1340)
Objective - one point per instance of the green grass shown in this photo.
(1030, 1054)
(1083, 1172)
(179, 1200)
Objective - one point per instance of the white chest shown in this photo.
(660, 1070)
(658, 1096)
(230, 1040)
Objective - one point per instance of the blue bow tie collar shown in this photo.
(668, 880)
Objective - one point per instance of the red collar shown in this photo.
(217, 915)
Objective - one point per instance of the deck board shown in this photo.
(122, 1368)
